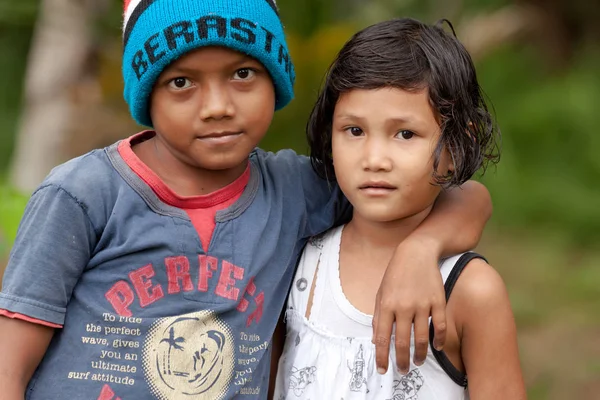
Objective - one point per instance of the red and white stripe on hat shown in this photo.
(130, 6)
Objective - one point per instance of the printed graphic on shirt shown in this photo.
(115, 347)
(301, 284)
(297, 341)
(191, 356)
(317, 241)
(140, 286)
(301, 378)
(188, 356)
(407, 387)
(107, 394)
(358, 382)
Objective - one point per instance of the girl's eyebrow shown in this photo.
(403, 120)
(407, 119)
(350, 117)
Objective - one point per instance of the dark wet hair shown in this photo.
(409, 55)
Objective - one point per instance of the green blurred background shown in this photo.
(538, 61)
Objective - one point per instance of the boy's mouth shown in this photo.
(220, 137)
(216, 135)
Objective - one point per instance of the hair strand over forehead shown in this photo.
(409, 55)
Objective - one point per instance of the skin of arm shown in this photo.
(486, 326)
(412, 287)
(22, 345)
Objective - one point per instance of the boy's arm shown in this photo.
(488, 334)
(22, 346)
(412, 289)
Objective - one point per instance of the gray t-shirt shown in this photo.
(147, 313)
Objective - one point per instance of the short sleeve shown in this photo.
(52, 249)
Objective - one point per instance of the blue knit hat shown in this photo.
(157, 32)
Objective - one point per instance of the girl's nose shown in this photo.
(375, 156)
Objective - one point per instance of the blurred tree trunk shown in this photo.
(57, 60)
(483, 33)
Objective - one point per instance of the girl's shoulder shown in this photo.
(478, 294)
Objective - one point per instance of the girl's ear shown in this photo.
(446, 164)
(451, 168)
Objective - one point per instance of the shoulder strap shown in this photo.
(457, 376)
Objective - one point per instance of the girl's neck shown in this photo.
(369, 236)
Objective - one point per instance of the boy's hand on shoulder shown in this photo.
(411, 291)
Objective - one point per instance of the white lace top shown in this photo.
(330, 355)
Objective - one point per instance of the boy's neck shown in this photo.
(182, 178)
(371, 236)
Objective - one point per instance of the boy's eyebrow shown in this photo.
(182, 70)
(235, 63)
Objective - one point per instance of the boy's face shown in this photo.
(382, 142)
(211, 107)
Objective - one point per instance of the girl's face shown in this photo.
(383, 142)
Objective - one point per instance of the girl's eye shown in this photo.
(405, 134)
(244, 74)
(180, 83)
(354, 131)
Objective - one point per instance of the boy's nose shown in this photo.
(375, 156)
(216, 103)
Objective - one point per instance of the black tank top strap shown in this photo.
(457, 376)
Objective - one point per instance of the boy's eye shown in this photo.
(354, 131)
(180, 83)
(244, 74)
(405, 134)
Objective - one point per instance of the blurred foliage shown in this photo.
(20, 13)
(16, 28)
(549, 171)
(12, 205)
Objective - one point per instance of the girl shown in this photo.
(401, 117)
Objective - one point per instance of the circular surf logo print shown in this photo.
(189, 357)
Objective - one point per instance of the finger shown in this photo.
(438, 317)
(383, 333)
(375, 319)
(402, 342)
(421, 337)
